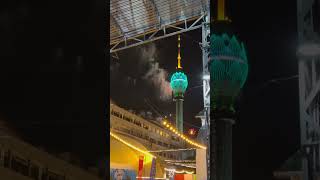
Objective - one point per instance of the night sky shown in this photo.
(53, 75)
(267, 130)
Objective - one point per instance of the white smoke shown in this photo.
(156, 75)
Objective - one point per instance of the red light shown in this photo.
(192, 132)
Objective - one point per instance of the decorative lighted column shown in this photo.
(228, 67)
(179, 84)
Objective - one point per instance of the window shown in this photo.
(127, 118)
(115, 113)
(152, 140)
(137, 123)
(145, 126)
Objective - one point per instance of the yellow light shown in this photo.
(149, 178)
(164, 122)
(221, 10)
(171, 128)
(168, 125)
(130, 145)
(179, 56)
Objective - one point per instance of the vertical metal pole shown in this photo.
(302, 70)
(302, 117)
(206, 81)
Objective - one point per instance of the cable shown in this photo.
(191, 124)
(283, 79)
(152, 108)
(155, 107)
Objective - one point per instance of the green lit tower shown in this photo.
(179, 84)
(228, 68)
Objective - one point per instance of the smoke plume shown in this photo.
(155, 75)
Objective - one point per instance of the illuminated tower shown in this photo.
(179, 84)
(228, 67)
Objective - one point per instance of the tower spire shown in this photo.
(220, 10)
(179, 57)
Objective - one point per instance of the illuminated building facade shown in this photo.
(138, 136)
(179, 84)
(151, 134)
(22, 161)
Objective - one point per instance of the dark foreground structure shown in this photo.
(228, 67)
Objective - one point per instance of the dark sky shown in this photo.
(53, 74)
(267, 130)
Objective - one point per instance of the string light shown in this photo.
(180, 172)
(185, 165)
(169, 160)
(173, 150)
(149, 178)
(172, 129)
(130, 145)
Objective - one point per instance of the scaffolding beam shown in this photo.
(156, 35)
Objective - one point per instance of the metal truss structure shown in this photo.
(309, 88)
(160, 33)
(136, 22)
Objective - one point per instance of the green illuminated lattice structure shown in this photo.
(179, 84)
(228, 70)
